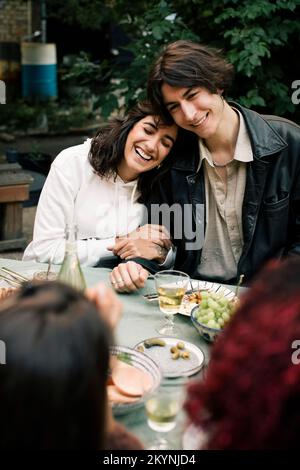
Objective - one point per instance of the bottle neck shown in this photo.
(71, 238)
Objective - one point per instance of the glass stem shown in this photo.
(170, 320)
(161, 442)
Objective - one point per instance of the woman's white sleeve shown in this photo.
(55, 208)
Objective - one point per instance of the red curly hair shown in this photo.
(250, 398)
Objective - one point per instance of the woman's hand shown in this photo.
(128, 277)
(108, 304)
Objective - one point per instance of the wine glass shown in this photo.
(171, 286)
(162, 408)
(47, 275)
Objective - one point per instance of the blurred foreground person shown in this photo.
(250, 396)
(53, 385)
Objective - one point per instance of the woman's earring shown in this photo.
(158, 166)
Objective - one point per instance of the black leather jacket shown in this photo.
(271, 206)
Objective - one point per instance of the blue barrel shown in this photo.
(39, 70)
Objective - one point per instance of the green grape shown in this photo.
(214, 310)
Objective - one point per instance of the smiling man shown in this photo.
(244, 167)
(241, 167)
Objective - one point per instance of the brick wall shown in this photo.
(15, 20)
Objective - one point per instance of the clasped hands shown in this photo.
(151, 242)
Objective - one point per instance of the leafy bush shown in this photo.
(121, 86)
(264, 34)
(58, 117)
(260, 37)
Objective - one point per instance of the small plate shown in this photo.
(172, 368)
(140, 361)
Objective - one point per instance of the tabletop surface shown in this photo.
(139, 321)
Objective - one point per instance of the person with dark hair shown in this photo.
(238, 180)
(53, 385)
(102, 185)
(249, 398)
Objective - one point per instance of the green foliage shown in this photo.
(257, 36)
(60, 117)
(260, 37)
(88, 14)
(148, 33)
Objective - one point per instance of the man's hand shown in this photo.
(152, 232)
(108, 304)
(128, 277)
(150, 241)
(128, 248)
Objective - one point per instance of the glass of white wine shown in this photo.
(171, 286)
(162, 408)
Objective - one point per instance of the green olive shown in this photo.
(185, 355)
(176, 355)
(154, 342)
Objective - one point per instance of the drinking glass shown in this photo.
(45, 276)
(171, 286)
(162, 408)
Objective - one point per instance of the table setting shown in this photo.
(169, 360)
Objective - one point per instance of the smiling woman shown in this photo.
(102, 185)
(146, 147)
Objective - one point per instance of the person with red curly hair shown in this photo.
(249, 398)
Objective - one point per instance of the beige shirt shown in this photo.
(224, 194)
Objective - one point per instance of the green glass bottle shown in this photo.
(70, 271)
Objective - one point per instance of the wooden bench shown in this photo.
(14, 190)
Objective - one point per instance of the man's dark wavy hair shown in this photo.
(107, 149)
(188, 64)
(249, 399)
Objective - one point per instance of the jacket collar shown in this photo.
(264, 139)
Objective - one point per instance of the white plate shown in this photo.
(172, 368)
(187, 307)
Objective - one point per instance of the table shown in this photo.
(139, 322)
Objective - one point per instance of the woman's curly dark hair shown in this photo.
(107, 148)
(250, 396)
